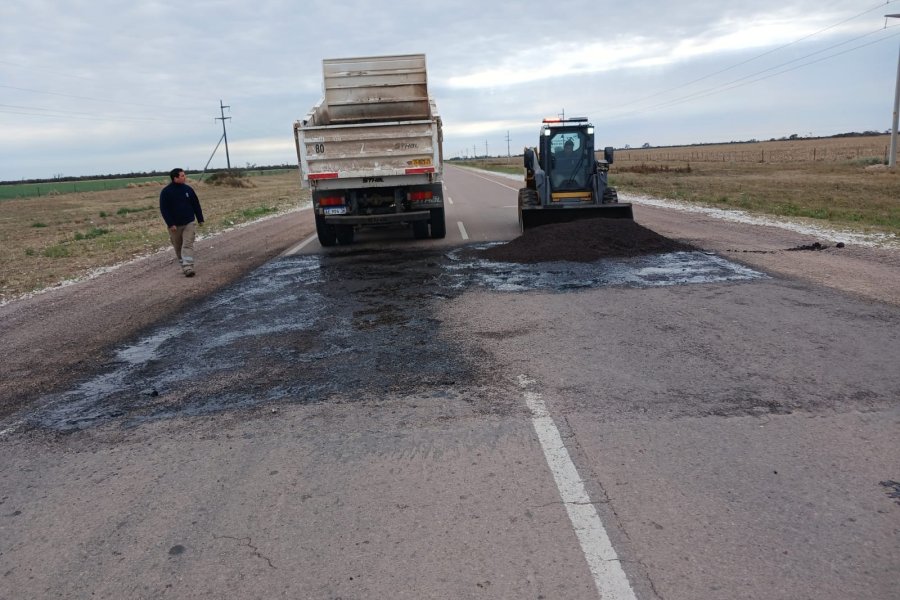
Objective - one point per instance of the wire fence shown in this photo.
(763, 152)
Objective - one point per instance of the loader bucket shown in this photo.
(538, 215)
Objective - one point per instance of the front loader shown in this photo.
(563, 179)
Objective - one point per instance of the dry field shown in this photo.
(837, 181)
(840, 181)
(867, 149)
(52, 239)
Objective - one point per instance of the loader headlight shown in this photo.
(590, 130)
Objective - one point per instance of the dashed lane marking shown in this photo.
(462, 230)
(609, 577)
(515, 189)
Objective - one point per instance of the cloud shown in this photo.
(637, 51)
(123, 83)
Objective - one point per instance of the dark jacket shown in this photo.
(178, 203)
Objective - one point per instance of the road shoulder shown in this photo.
(52, 339)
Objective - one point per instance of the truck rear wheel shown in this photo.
(610, 196)
(344, 234)
(438, 224)
(326, 233)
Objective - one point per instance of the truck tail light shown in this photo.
(331, 201)
(420, 196)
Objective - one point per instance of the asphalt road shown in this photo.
(400, 419)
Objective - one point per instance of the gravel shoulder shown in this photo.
(872, 273)
(54, 338)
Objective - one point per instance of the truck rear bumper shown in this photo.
(404, 217)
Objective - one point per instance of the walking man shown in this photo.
(178, 204)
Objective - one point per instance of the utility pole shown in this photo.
(223, 118)
(485, 149)
(563, 115)
(507, 144)
(892, 161)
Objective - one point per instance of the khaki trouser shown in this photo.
(183, 242)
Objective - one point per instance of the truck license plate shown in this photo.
(340, 210)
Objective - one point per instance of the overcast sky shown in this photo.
(95, 86)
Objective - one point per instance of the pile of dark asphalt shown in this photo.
(587, 240)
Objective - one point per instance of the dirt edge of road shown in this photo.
(51, 339)
(868, 273)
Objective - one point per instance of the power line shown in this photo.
(103, 100)
(70, 114)
(742, 81)
(766, 53)
(50, 71)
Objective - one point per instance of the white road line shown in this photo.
(298, 247)
(449, 199)
(462, 230)
(609, 577)
(493, 181)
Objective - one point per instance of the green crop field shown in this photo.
(56, 188)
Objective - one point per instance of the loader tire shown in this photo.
(521, 226)
(326, 233)
(610, 196)
(527, 197)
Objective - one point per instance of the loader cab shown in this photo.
(567, 153)
(564, 181)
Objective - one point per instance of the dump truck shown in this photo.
(371, 150)
(564, 181)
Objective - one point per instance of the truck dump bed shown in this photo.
(382, 88)
(375, 121)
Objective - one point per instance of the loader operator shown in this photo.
(567, 166)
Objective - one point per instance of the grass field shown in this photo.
(49, 239)
(838, 181)
(56, 188)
